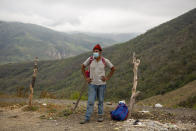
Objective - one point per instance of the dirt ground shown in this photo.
(13, 117)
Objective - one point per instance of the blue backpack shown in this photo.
(120, 113)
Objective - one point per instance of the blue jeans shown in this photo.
(93, 91)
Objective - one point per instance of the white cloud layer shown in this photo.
(104, 16)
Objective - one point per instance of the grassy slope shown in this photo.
(22, 42)
(168, 61)
(173, 98)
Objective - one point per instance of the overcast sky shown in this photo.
(104, 16)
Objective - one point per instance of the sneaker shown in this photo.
(84, 121)
(100, 118)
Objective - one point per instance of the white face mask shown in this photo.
(95, 54)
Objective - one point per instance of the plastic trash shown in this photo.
(137, 122)
(44, 104)
(158, 105)
(143, 111)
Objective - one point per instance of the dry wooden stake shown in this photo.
(32, 84)
(81, 93)
(136, 63)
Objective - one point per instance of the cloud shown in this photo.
(112, 21)
(94, 16)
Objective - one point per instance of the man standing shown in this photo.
(96, 79)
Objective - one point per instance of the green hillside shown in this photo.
(22, 42)
(168, 61)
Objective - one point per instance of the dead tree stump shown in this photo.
(32, 84)
(136, 63)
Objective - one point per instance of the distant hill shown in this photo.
(22, 42)
(119, 37)
(168, 62)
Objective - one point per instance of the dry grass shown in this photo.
(31, 108)
(48, 110)
(171, 99)
(4, 95)
(52, 111)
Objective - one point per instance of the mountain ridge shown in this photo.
(168, 62)
(20, 42)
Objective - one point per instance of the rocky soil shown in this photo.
(56, 115)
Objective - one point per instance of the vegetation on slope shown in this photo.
(184, 96)
(168, 61)
(22, 42)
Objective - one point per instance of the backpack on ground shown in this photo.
(120, 113)
(87, 72)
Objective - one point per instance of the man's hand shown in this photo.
(88, 80)
(103, 78)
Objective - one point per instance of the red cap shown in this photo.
(97, 46)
